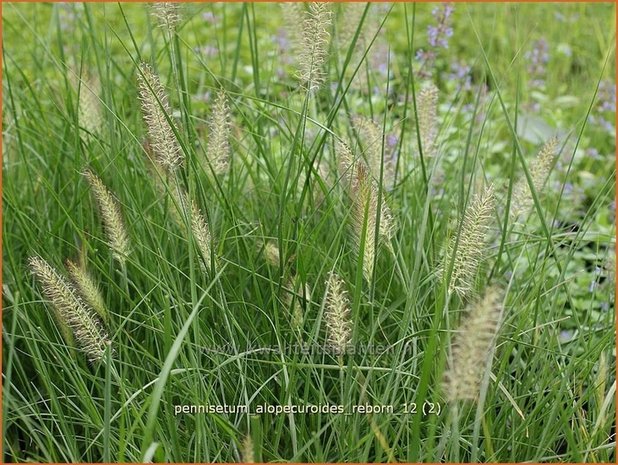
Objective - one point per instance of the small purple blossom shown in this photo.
(604, 112)
(460, 73)
(209, 17)
(438, 35)
(537, 59)
(593, 153)
(207, 50)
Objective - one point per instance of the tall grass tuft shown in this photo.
(72, 310)
(113, 224)
(472, 346)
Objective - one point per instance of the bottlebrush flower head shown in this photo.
(218, 149)
(466, 249)
(337, 315)
(111, 216)
(539, 171)
(157, 116)
(472, 346)
(72, 310)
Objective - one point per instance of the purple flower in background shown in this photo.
(605, 107)
(593, 153)
(460, 73)
(69, 14)
(207, 50)
(209, 17)
(438, 35)
(537, 59)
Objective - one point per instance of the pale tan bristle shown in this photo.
(167, 14)
(363, 192)
(90, 109)
(313, 45)
(197, 222)
(248, 454)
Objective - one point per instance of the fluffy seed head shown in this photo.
(71, 309)
(89, 111)
(157, 113)
(351, 16)
(198, 224)
(295, 295)
(293, 17)
(218, 148)
(467, 253)
(427, 114)
(539, 170)
(337, 315)
(314, 43)
(247, 450)
(111, 216)
(371, 137)
(472, 345)
(87, 288)
(167, 14)
(271, 253)
(365, 214)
